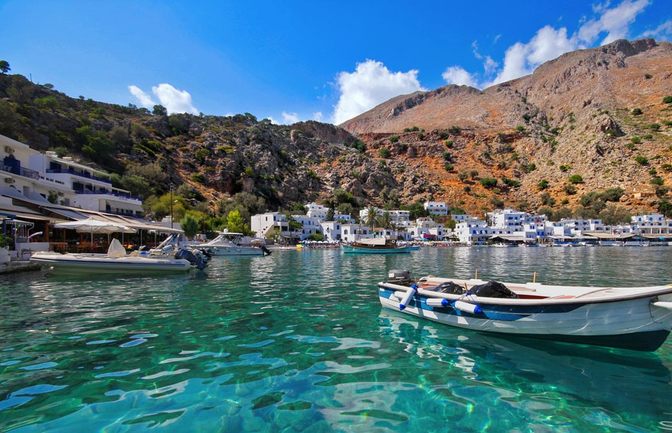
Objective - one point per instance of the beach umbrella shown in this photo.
(92, 225)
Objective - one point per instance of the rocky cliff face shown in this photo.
(598, 113)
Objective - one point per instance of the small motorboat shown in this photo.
(116, 260)
(234, 244)
(376, 246)
(637, 318)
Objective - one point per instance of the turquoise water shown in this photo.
(298, 342)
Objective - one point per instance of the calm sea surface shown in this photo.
(298, 342)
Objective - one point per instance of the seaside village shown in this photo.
(41, 191)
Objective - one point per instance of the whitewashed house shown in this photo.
(436, 207)
(45, 177)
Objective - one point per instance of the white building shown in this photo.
(261, 224)
(399, 218)
(315, 210)
(309, 226)
(426, 228)
(472, 231)
(512, 219)
(436, 207)
(45, 177)
(336, 231)
(652, 224)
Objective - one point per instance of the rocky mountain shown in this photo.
(591, 120)
(208, 158)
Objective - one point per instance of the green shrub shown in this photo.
(636, 139)
(657, 180)
(448, 166)
(636, 111)
(565, 168)
(570, 189)
(654, 126)
(5, 241)
(447, 156)
(198, 177)
(528, 168)
(547, 200)
(641, 160)
(667, 100)
(488, 182)
(520, 128)
(543, 184)
(667, 167)
(449, 144)
(394, 138)
(575, 178)
(384, 152)
(510, 182)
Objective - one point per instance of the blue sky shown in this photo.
(292, 60)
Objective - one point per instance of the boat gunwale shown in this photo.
(651, 292)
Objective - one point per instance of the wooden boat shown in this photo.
(637, 318)
(376, 246)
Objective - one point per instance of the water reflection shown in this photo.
(619, 381)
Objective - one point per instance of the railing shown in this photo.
(105, 192)
(21, 171)
(80, 174)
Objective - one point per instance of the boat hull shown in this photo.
(233, 251)
(630, 324)
(63, 263)
(348, 249)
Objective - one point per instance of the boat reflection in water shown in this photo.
(632, 385)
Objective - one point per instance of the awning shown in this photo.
(66, 213)
(510, 238)
(660, 236)
(19, 212)
(610, 236)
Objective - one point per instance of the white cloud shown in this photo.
(548, 43)
(318, 116)
(289, 118)
(370, 84)
(144, 99)
(615, 21)
(458, 75)
(273, 121)
(175, 100)
(663, 31)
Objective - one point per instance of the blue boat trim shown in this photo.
(495, 312)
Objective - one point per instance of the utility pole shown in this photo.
(171, 205)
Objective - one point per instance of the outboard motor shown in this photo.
(396, 276)
(198, 260)
(266, 251)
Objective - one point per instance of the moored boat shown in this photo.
(234, 244)
(117, 261)
(376, 246)
(638, 318)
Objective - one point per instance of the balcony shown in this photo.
(78, 173)
(21, 171)
(108, 192)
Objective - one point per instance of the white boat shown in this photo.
(234, 244)
(638, 318)
(115, 261)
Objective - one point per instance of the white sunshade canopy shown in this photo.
(91, 225)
